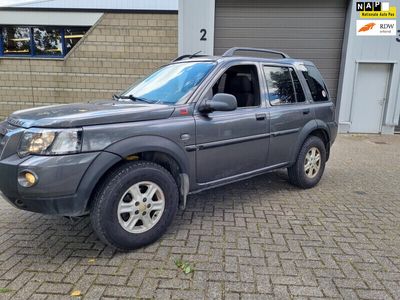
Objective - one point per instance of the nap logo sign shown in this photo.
(370, 6)
(376, 27)
(380, 10)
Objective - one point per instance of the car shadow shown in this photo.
(231, 196)
(52, 239)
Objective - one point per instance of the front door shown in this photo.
(370, 98)
(235, 142)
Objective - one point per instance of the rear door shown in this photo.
(234, 142)
(289, 111)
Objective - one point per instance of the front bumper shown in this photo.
(64, 186)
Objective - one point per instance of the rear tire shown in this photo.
(310, 164)
(135, 205)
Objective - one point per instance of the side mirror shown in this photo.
(220, 102)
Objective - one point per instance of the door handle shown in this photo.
(306, 111)
(260, 117)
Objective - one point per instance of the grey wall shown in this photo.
(382, 49)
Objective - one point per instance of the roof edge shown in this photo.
(98, 10)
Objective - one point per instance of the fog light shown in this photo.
(27, 179)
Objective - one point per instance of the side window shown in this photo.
(316, 84)
(220, 85)
(240, 81)
(297, 86)
(280, 85)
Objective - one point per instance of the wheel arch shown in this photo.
(313, 128)
(149, 148)
(143, 144)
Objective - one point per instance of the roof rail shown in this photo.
(232, 51)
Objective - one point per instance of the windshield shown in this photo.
(170, 84)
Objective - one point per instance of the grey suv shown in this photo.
(196, 123)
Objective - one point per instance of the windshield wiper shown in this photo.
(133, 98)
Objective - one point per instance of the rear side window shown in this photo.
(318, 89)
(283, 85)
(298, 88)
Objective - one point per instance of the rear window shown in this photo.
(318, 89)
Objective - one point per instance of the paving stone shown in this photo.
(55, 288)
(95, 292)
(305, 291)
(119, 291)
(259, 239)
(373, 294)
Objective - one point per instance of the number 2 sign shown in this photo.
(203, 35)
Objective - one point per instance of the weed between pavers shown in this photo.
(184, 266)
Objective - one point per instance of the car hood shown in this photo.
(91, 113)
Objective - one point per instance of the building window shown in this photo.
(39, 41)
(16, 40)
(72, 36)
(47, 41)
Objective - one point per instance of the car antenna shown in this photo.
(194, 54)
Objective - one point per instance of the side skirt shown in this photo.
(224, 181)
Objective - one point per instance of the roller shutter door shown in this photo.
(306, 29)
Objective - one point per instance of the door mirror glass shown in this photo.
(220, 102)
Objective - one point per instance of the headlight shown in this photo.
(50, 142)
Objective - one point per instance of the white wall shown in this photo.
(48, 18)
(194, 16)
(99, 4)
(383, 49)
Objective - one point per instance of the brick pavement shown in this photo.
(258, 239)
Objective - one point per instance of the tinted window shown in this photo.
(47, 41)
(316, 84)
(297, 85)
(16, 40)
(39, 40)
(280, 85)
(72, 37)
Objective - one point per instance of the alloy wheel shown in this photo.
(141, 207)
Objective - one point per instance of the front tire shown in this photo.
(310, 164)
(135, 205)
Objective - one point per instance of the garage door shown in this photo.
(307, 29)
